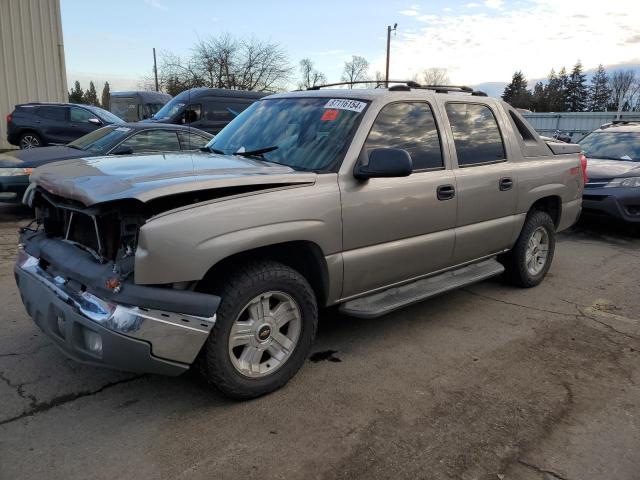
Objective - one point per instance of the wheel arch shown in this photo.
(304, 256)
(551, 204)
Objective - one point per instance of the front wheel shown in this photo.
(530, 259)
(264, 328)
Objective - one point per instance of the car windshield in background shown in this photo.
(612, 145)
(303, 133)
(101, 140)
(169, 110)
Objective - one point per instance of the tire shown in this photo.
(252, 289)
(29, 140)
(521, 267)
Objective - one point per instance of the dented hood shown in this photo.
(147, 177)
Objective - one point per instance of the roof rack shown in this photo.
(405, 85)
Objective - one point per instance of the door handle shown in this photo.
(506, 183)
(445, 192)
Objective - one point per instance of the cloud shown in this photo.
(156, 4)
(477, 46)
(472, 5)
(493, 3)
(447, 9)
(409, 12)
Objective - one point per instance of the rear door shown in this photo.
(53, 123)
(485, 179)
(395, 229)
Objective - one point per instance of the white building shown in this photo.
(32, 67)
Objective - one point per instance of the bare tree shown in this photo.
(226, 62)
(380, 79)
(309, 75)
(356, 70)
(435, 76)
(623, 88)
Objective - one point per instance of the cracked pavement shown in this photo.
(489, 382)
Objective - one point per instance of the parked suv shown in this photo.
(367, 199)
(33, 125)
(613, 189)
(209, 109)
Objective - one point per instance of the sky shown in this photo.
(475, 40)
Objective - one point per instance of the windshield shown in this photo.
(303, 133)
(101, 140)
(170, 109)
(612, 145)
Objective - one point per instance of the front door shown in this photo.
(80, 125)
(486, 182)
(395, 229)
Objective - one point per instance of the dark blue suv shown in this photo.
(613, 156)
(38, 124)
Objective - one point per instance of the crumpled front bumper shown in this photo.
(102, 332)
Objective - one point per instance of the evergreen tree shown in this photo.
(76, 94)
(106, 96)
(539, 100)
(91, 96)
(563, 87)
(577, 92)
(516, 93)
(599, 91)
(553, 93)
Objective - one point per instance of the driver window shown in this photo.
(80, 115)
(191, 113)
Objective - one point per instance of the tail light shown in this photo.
(583, 164)
(9, 118)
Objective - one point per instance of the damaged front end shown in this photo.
(75, 273)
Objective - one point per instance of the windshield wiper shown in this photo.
(74, 146)
(212, 150)
(258, 152)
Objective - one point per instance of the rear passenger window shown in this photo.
(52, 113)
(410, 127)
(475, 133)
(192, 141)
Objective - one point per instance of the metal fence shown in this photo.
(576, 124)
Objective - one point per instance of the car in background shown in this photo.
(123, 139)
(137, 105)
(613, 155)
(209, 109)
(33, 125)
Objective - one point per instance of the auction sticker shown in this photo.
(346, 104)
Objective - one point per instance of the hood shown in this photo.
(147, 177)
(34, 157)
(597, 168)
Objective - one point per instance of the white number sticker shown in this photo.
(346, 104)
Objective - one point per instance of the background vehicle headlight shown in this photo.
(624, 182)
(15, 172)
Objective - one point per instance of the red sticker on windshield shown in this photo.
(329, 115)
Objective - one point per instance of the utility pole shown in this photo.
(155, 69)
(389, 30)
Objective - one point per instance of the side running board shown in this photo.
(387, 301)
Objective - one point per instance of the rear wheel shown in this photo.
(264, 328)
(530, 259)
(29, 140)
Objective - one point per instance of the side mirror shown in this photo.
(95, 121)
(121, 150)
(384, 163)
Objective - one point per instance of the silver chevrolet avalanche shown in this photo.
(370, 199)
